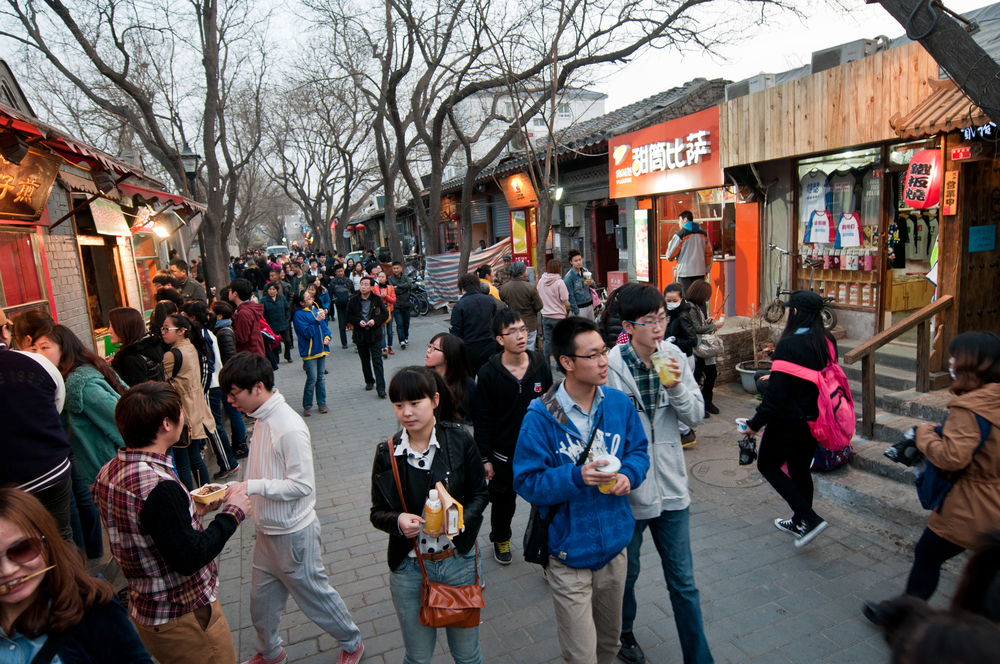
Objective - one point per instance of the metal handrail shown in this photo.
(866, 353)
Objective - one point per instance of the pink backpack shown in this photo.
(834, 427)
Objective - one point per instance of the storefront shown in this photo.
(661, 171)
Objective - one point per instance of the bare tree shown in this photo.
(133, 61)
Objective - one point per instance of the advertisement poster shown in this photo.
(108, 218)
(519, 234)
(641, 245)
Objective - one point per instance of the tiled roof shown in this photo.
(945, 110)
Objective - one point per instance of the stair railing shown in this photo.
(866, 353)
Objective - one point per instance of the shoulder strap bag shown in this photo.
(536, 533)
(442, 605)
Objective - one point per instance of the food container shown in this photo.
(209, 493)
(609, 464)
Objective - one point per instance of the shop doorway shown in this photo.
(605, 248)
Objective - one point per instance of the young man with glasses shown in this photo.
(593, 523)
(287, 558)
(157, 537)
(506, 386)
(662, 502)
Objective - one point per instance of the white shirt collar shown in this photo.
(404, 443)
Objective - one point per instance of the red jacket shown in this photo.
(246, 327)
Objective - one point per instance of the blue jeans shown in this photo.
(215, 402)
(402, 319)
(191, 468)
(673, 542)
(419, 641)
(85, 518)
(236, 422)
(314, 382)
(387, 334)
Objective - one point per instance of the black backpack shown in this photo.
(152, 352)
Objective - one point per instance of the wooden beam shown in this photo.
(869, 347)
(868, 396)
(924, 356)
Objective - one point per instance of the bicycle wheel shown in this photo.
(829, 318)
(423, 306)
(774, 312)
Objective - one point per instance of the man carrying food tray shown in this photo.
(157, 538)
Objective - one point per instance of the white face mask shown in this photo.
(951, 370)
(673, 305)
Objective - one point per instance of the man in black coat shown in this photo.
(472, 321)
(366, 313)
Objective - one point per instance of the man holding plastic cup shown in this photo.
(658, 379)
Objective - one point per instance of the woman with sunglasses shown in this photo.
(49, 606)
(182, 367)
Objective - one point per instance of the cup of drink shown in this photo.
(587, 274)
(609, 464)
(668, 374)
(741, 425)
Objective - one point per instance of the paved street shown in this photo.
(763, 599)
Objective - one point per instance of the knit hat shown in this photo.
(517, 268)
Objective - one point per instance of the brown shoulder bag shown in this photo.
(442, 605)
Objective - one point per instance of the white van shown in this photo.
(276, 249)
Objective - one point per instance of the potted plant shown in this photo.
(761, 348)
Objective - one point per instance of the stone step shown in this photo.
(892, 505)
(869, 457)
(888, 378)
(929, 406)
(894, 355)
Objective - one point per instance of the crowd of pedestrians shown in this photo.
(596, 452)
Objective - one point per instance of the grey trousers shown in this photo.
(292, 564)
(532, 336)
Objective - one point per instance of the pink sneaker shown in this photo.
(260, 659)
(351, 657)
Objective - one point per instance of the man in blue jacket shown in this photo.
(580, 300)
(593, 526)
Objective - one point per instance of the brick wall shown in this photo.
(738, 348)
(66, 279)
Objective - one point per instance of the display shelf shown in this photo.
(846, 276)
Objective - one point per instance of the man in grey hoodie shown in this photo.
(661, 503)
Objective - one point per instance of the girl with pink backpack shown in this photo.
(790, 409)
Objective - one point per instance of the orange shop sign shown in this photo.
(679, 155)
(518, 191)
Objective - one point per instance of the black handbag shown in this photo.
(536, 533)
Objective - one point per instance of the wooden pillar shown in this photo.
(951, 233)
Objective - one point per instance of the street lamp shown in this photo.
(189, 162)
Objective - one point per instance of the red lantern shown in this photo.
(922, 182)
(360, 227)
(455, 217)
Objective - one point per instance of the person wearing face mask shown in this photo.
(682, 331)
(34, 447)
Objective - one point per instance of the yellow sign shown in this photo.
(949, 199)
(519, 233)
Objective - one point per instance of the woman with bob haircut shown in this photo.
(972, 507)
(446, 356)
(49, 606)
(140, 357)
(430, 448)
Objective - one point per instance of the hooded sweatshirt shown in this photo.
(666, 485)
(692, 250)
(280, 478)
(554, 294)
(591, 527)
(502, 401)
(972, 507)
(246, 326)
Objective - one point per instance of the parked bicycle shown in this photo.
(774, 312)
(418, 294)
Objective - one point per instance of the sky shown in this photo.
(786, 43)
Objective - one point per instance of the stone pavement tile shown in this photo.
(761, 641)
(762, 615)
(544, 651)
(724, 630)
(862, 653)
(774, 657)
(802, 601)
(727, 653)
(851, 631)
(806, 623)
(718, 610)
(763, 594)
(665, 630)
(809, 649)
(726, 569)
(667, 653)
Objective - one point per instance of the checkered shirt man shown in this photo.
(646, 378)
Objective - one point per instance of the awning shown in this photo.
(86, 185)
(947, 109)
(161, 196)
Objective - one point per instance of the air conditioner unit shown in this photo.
(746, 86)
(841, 55)
(572, 215)
(516, 143)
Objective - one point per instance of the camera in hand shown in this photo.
(748, 450)
(905, 451)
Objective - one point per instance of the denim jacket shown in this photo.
(579, 291)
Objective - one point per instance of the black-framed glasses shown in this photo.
(431, 347)
(659, 322)
(24, 551)
(516, 333)
(600, 353)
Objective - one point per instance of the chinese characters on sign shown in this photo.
(922, 181)
(670, 154)
(25, 187)
(949, 201)
(982, 238)
(988, 130)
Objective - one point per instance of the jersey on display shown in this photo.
(842, 193)
(871, 194)
(820, 228)
(813, 191)
(849, 231)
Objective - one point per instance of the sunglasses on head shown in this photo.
(24, 551)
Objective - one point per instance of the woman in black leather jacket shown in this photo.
(431, 448)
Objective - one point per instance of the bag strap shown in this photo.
(797, 370)
(984, 433)
(551, 514)
(178, 361)
(399, 489)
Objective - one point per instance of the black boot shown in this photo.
(630, 652)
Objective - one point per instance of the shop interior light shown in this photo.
(160, 231)
(13, 147)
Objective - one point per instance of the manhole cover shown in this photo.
(726, 473)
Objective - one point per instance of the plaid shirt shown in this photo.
(646, 379)
(157, 595)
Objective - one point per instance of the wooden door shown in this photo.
(979, 257)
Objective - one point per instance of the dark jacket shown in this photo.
(276, 312)
(680, 328)
(341, 291)
(457, 465)
(104, 635)
(788, 397)
(192, 290)
(246, 325)
(364, 336)
(403, 285)
(140, 361)
(522, 297)
(257, 276)
(472, 317)
(502, 401)
(227, 339)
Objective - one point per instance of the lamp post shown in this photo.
(189, 161)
